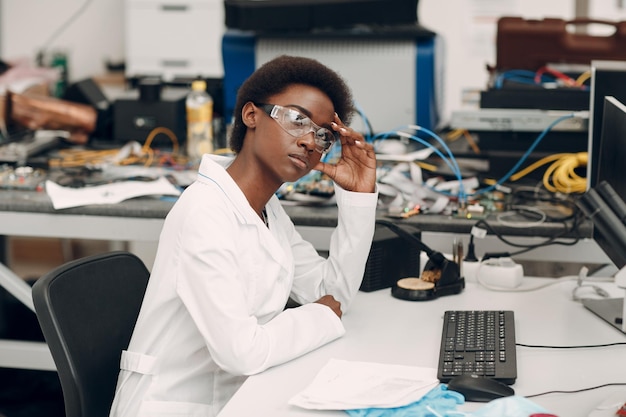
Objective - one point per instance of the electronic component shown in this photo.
(516, 120)
(21, 178)
(403, 212)
(140, 112)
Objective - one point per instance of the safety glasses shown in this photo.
(298, 125)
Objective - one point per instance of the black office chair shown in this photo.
(87, 310)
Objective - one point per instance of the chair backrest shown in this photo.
(87, 310)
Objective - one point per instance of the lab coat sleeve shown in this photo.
(342, 273)
(217, 297)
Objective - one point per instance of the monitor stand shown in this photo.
(611, 310)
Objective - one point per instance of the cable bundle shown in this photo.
(561, 175)
(129, 154)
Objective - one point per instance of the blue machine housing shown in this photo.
(241, 56)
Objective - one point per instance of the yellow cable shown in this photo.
(583, 77)
(535, 165)
(457, 133)
(426, 166)
(560, 175)
(79, 157)
(157, 130)
(472, 143)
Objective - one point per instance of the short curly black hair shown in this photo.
(276, 75)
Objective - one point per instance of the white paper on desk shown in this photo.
(65, 197)
(348, 385)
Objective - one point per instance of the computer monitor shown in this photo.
(611, 186)
(608, 78)
(604, 204)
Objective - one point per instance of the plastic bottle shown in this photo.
(59, 61)
(199, 121)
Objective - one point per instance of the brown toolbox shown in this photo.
(532, 44)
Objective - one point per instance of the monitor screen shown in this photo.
(608, 78)
(611, 161)
(604, 204)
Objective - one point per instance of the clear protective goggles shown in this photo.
(298, 125)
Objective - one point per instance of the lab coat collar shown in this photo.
(213, 170)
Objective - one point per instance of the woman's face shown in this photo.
(282, 154)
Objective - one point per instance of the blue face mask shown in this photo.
(514, 406)
(437, 402)
(443, 403)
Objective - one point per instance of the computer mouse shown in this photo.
(479, 388)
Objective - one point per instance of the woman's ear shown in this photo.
(248, 115)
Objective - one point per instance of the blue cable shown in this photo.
(454, 167)
(450, 160)
(443, 144)
(361, 112)
(384, 135)
(521, 76)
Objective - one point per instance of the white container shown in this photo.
(158, 33)
(199, 106)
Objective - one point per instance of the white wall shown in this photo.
(95, 36)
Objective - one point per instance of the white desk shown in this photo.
(383, 329)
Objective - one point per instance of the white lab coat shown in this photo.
(214, 308)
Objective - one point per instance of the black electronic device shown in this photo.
(479, 388)
(478, 342)
(604, 204)
(525, 97)
(149, 107)
(390, 259)
(305, 15)
(512, 117)
(608, 78)
(88, 92)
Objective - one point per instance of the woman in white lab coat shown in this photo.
(229, 257)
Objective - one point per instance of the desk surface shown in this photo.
(383, 329)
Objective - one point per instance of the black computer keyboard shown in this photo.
(478, 342)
